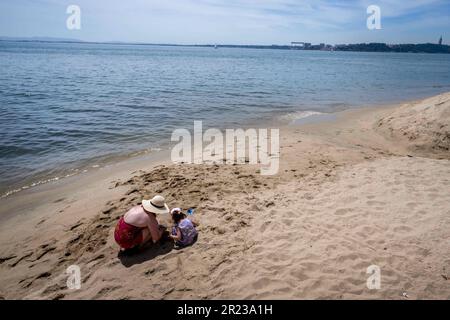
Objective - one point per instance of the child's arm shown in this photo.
(195, 223)
(178, 235)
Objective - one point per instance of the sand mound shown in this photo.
(423, 126)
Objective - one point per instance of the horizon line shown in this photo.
(74, 40)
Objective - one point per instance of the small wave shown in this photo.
(29, 95)
(294, 116)
(141, 152)
(37, 183)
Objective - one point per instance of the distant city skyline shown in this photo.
(261, 22)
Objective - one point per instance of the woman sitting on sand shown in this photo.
(139, 224)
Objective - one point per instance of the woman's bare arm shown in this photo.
(155, 231)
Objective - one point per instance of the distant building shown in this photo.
(300, 45)
(440, 41)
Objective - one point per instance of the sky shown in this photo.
(229, 21)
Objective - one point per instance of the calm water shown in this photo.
(66, 106)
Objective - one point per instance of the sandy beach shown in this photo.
(370, 187)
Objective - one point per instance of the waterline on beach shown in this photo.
(98, 164)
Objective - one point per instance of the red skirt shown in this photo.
(126, 235)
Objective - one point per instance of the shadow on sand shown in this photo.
(148, 252)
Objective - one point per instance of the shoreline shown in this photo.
(101, 176)
(367, 187)
(128, 164)
(93, 165)
(284, 121)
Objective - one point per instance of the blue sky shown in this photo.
(229, 21)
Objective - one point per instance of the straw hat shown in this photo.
(156, 205)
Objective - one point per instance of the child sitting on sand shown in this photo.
(183, 231)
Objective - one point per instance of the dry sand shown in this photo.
(369, 188)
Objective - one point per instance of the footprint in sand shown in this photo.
(350, 199)
(401, 229)
(20, 259)
(7, 258)
(53, 288)
(375, 203)
(411, 205)
(299, 275)
(264, 226)
(342, 211)
(433, 196)
(104, 291)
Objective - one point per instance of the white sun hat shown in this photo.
(156, 205)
